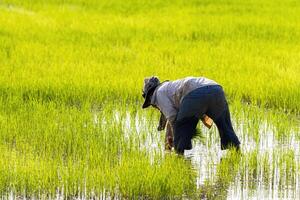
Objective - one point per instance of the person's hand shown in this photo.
(162, 122)
(169, 143)
(160, 128)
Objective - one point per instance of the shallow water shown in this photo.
(245, 184)
(269, 167)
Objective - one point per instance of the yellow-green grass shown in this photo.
(86, 49)
(46, 149)
(49, 149)
(71, 75)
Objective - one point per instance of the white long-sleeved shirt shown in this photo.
(168, 96)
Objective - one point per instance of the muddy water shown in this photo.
(269, 167)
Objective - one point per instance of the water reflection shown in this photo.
(267, 169)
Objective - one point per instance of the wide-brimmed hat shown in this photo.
(149, 86)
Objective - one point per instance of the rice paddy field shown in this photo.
(71, 76)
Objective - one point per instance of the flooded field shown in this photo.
(267, 169)
(107, 153)
(268, 166)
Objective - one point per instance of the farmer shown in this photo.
(184, 102)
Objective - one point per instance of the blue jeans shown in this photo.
(209, 100)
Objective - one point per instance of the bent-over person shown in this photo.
(183, 103)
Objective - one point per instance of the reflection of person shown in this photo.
(183, 102)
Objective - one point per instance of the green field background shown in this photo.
(79, 50)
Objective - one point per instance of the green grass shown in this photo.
(87, 49)
(47, 147)
(69, 68)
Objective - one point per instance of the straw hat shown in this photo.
(149, 86)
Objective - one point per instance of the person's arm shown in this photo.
(169, 137)
(162, 122)
(167, 107)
